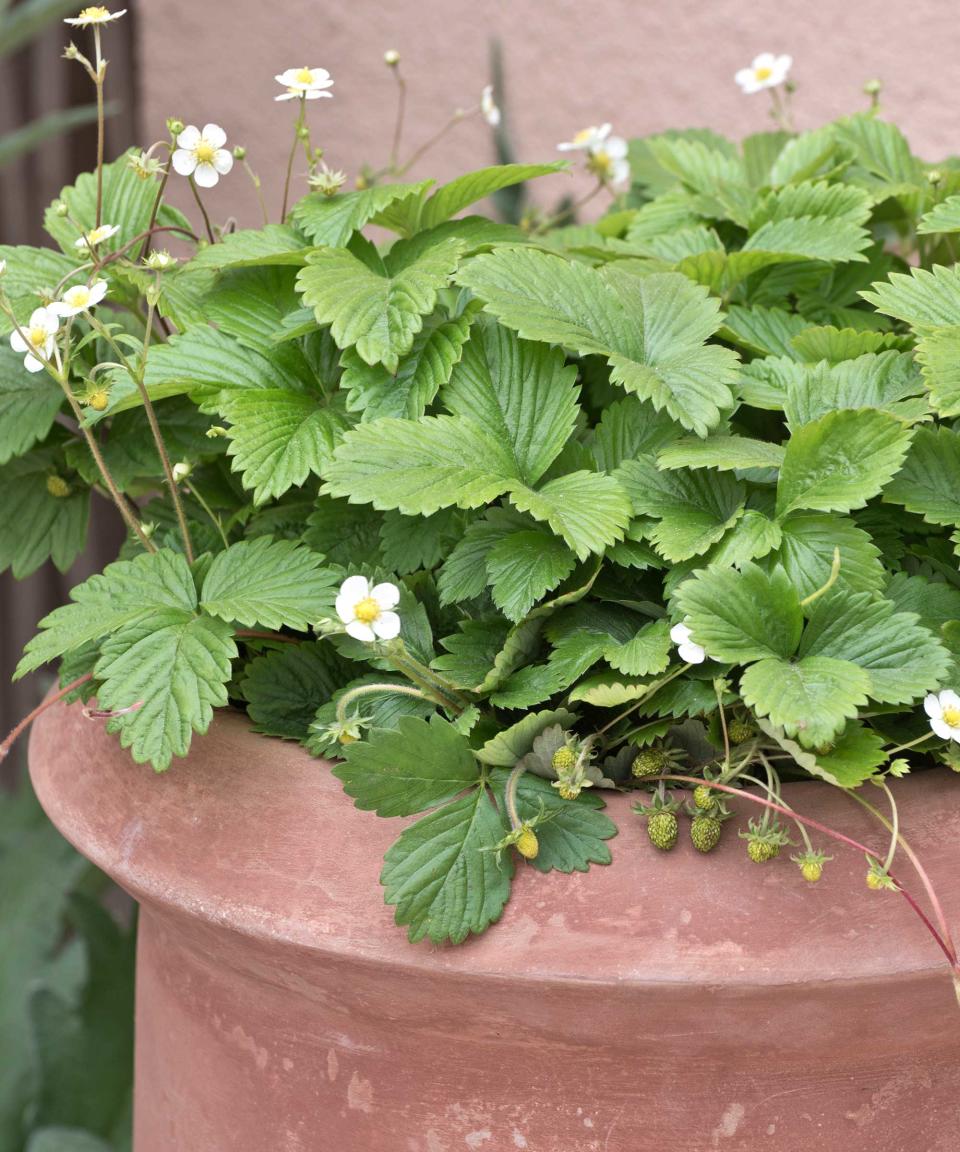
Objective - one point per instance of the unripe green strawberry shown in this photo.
(649, 762)
(58, 487)
(568, 791)
(662, 828)
(705, 833)
(704, 797)
(740, 731)
(811, 871)
(760, 851)
(564, 759)
(527, 843)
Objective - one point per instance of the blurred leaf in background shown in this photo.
(66, 995)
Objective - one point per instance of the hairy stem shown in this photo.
(25, 723)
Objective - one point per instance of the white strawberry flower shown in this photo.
(36, 338)
(202, 154)
(368, 612)
(586, 139)
(80, 298)
(488, 107)
(309, 83)
(96, 236)
(766, 71)
(96, 14)
(686, 649)
(608, 161)
(943, 709)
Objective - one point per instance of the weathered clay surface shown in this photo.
(682, 1002)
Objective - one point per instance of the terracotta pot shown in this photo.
(667, 1002)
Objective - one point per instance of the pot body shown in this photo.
(666, 1002)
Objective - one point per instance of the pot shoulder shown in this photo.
(253, 835)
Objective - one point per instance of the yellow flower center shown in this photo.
(38, 337)
(304, 76)
(76, 297)
(367, 610)
(584, 136)
(951, 716)
(600, 163)
(762, 74)
(94, 13)
(204, 152)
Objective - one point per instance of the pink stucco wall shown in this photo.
(643, 64)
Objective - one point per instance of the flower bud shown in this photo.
(391, 58)
(239, 153)
(873, 87)
(935, 177)
(60, 208)
(175, 127)
(181, 471)
(216, 432)
(159, 261)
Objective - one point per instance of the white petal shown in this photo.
(189, 137)
(355, 588)
(784, 64)
(691, 653)
(744, 76)
(223, 161)
(616, 147)
(98, 289)
(184, 162)
(314, 94)
(214, 135)
(931, 703)
(386, 595)
(32, 364)
(949, 699)
(764, 60)
(287, 78)
(206, 175)
(361, 631)
(287, 96)
(940, 727)
(387, 625)
(679, 633)
(17, 342)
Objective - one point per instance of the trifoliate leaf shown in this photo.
(840, 461)
(420, 466)
(278, 438)
(807, 548)
(443, 874)
(629, 428)
(888, 381)
(721, 452)
(929, 481)
(645, 654)
(573, 837)
(411, 543)
(523, 567)
(695, 508)
(35, 524)
(375, 392)
(283, 689)
(845, 763)
(939, 354)
(452, 198)
(519, 393)
(416, 766)
(270, 583)
(377, 304)
(651, 329)
(273, 244)
(332, 220)
(741, 616)
(29, 404)
(471, 652)
(811, 699)
(506, 748)
(589, 510)
(170, 670)
(903, 658)
(923, 299)
(124, 593)
(530, 685)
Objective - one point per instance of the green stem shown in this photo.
(258, 188)
(510, 797)
(203, 212)
(653, 687)
(301, 119)
(910, 743)
(158, 199)
(101, 69)
(368, 689)
(209, 511)
(398, 124)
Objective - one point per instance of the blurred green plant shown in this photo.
(20, 25)
(66, 995)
